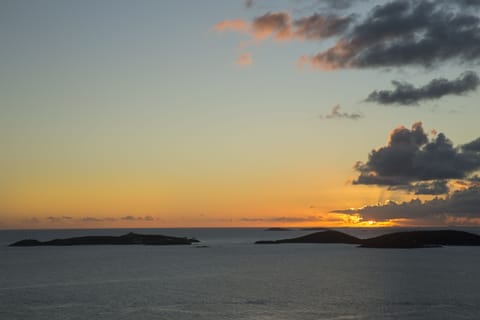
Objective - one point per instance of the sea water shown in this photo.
(226, 276)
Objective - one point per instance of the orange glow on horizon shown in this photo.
(267, 201)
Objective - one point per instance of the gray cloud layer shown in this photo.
(407, 94)
(465, 204)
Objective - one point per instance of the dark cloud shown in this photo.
(248, 3)
(337, 114)
(464, 3)
(406, 33)
(473, 146)
(395, 33)
(406, 94)
(435, 187)
(464, 203)
(411, 157)
(319, 26)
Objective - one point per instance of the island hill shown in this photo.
(129, 238)
(405, 240)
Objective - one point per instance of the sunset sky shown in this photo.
(239, 113)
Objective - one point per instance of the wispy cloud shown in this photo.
(244, 60)
(91, 219)
(137, 218)
(280, 26)
(406, 94)
(336, 113)
(287, 219)
(232, 25)
(58, 219)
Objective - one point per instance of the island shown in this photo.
(423, 239)
(329, 236)
(129, 238)
(396, 240)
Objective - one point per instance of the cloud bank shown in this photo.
(410, 156)
(413, 162)
(462, 205)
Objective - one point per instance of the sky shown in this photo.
(239, 113)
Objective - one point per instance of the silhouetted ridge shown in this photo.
(423, 239)
(407, 239)
(329, 236)
(129, 238)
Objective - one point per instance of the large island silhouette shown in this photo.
(400, 240)
(129, 238)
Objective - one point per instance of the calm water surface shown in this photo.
(234, 279)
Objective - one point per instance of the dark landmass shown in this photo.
(329, 236)
(129, 238)
(313, 228)
(278, 229)
(423, 239)
(399, 240)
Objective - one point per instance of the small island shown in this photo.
(126, 239)
(396, 240)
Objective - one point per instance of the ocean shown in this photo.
(226, 276)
